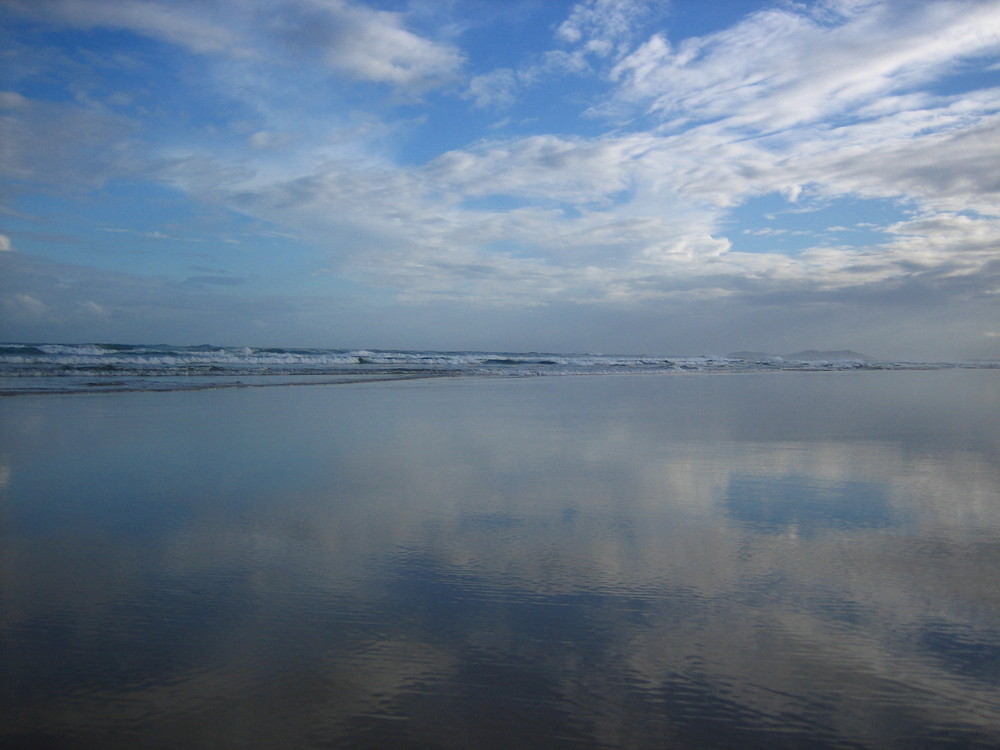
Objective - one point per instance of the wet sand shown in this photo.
(752, 560)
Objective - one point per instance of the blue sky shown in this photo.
(608, 175)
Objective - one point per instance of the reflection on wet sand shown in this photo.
(601, 562)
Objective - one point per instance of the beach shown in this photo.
(691, 560)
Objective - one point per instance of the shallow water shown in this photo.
(689, 561)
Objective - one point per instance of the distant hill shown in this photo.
(809, 355)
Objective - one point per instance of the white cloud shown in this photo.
(266, 139)
(178, 23)
(368, 44)
(779, 68)
(493, 90)
(89, 307)
(601, 27)
(952, 167)
(551, 168)
(595, 33)
(630, 218)
(358, 41)
(6, 245)
(66, 144)
(12, 100)
(25, 306)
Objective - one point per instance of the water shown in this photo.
(71, 368)
(689, 560)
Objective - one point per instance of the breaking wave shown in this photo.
(33, 367)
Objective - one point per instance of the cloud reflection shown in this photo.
(611, 561)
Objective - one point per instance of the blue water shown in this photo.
(686, 560)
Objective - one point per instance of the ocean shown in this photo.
(453, 550)
(67, 368)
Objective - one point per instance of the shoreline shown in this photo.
(91, 385)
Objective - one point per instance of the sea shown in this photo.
(68, 368)
(467, 550)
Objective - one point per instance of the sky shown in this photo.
(621, 176)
